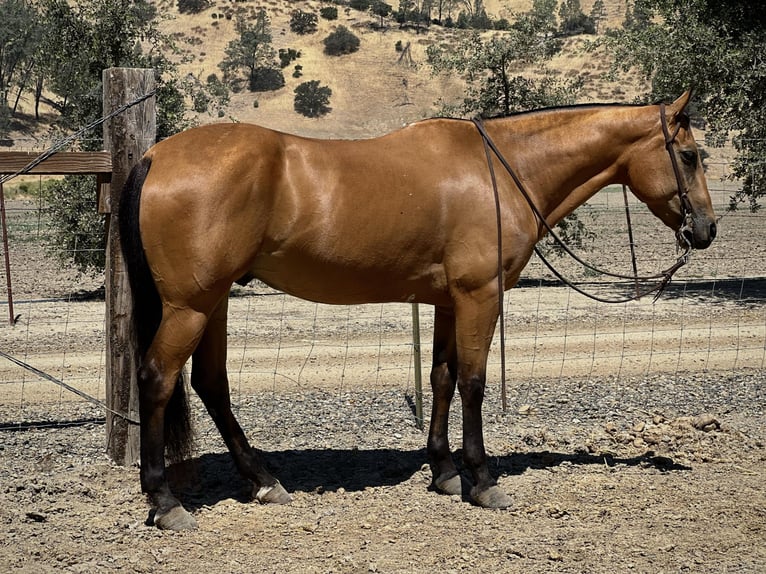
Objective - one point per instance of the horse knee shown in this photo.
(472, 388)
(442, 382)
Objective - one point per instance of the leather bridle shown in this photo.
(683, 193)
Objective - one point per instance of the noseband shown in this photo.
(683, 193)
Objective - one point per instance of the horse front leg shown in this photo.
(446, 478)
(476, 317)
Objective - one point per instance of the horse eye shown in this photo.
(689, 157)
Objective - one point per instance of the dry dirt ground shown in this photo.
(622, 451)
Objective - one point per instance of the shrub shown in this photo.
(265, 79)
(201, 101)
(287, 56)
(312, 100)
(192, 6)
(342, 41)
(329, 13)
(361, 5)
(303, 22)
(77, 227)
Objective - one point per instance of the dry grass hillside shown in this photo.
(373, 90)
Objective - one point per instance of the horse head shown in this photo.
(666, 173)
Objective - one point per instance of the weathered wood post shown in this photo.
(128, 135)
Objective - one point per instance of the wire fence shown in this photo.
(711, 318)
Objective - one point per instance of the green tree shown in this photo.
(381, 10)
(192, 6)
(77, 232)
(598, 13)
(252, 52)
(20, 35)
(540, 19)
(312, 100)
(717, 48)
(493, 70)
(341, 41)
(91, 36)
(573, 19)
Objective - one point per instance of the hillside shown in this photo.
(373, 91)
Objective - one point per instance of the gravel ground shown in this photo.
(653, 475)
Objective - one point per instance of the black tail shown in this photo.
(147, 309)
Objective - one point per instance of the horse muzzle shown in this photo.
(697, 232)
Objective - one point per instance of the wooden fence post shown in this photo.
(127, 135)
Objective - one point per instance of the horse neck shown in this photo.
(564, 156)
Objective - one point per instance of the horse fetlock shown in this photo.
(273, 494)
(177, 518)
(491, 497)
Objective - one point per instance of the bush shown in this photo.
(201, 102)
(77, 229)
(265, 79)
(287, 56)
(361, 5)
(342, 41)
(192, 6)
(312, 100)
(303, 22)
(329, 13)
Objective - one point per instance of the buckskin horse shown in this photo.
(406, 217)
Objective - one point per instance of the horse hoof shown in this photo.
(451, 485)
(177, 518)
(492, 497)
(275, 494)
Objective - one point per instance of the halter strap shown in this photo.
(683, 193)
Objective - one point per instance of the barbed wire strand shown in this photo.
(70, 388)
(62, 143)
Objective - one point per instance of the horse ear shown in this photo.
(679, 106)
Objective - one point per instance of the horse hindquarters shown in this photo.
(162, 404)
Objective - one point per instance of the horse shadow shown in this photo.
(212, 478)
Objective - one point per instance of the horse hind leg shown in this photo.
(210, 381)
(158, 382)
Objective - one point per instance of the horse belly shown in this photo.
(339, 280)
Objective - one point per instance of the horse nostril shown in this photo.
(713, 231)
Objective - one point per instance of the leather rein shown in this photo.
(663, 276)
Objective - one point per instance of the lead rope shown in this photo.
(630, 236)
(500, 274)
